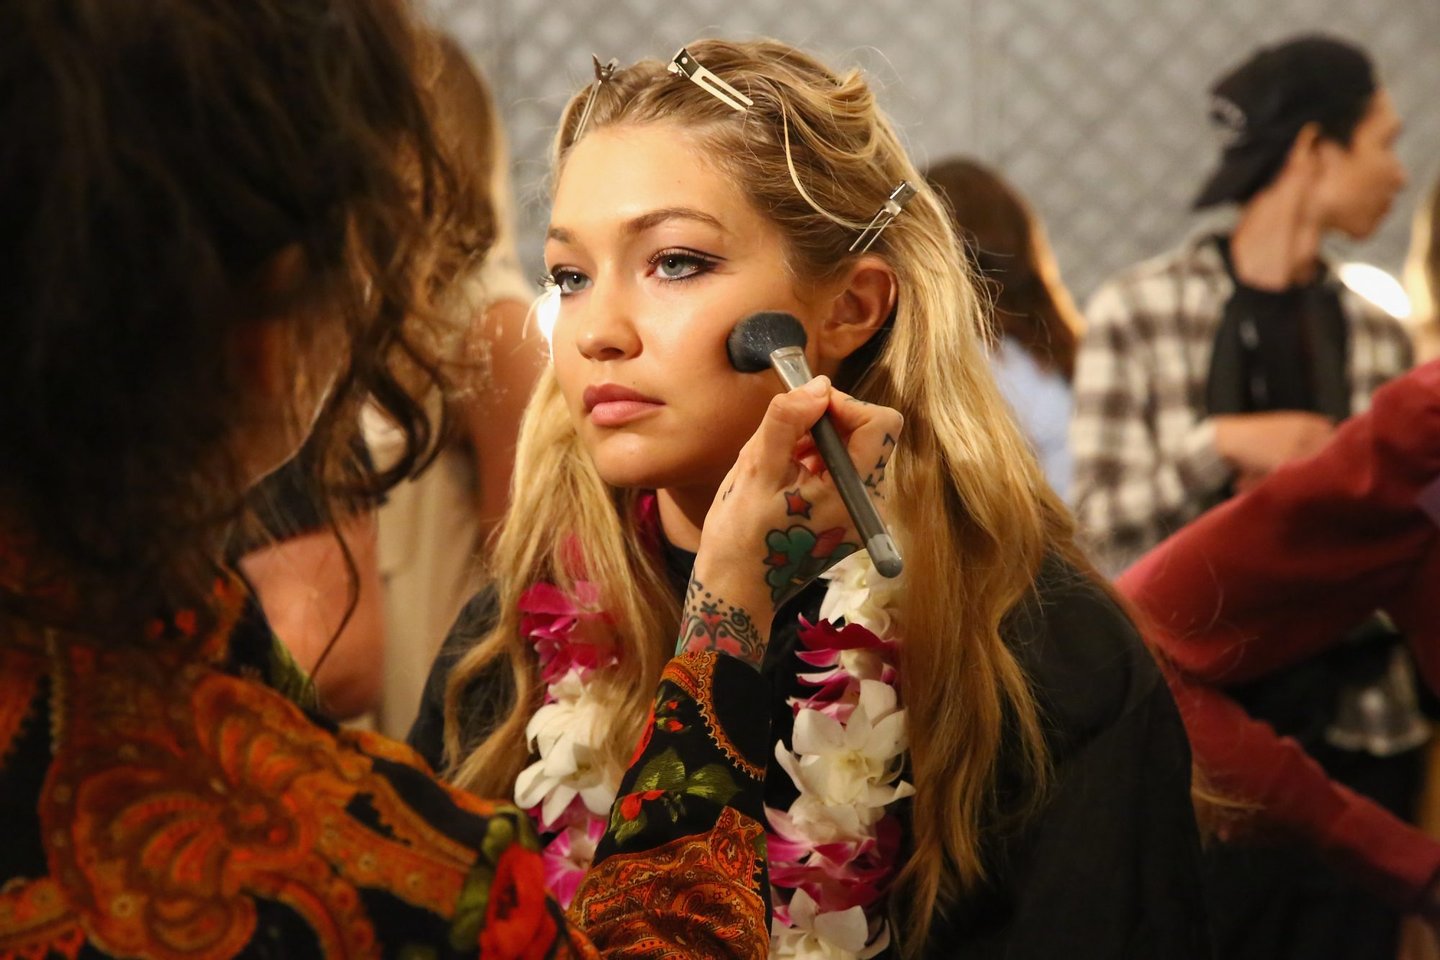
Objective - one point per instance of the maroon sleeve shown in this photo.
(1275, 576)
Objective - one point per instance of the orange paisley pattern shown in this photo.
(36, 922)
(20, 672)
(178, 787)
(686, 893)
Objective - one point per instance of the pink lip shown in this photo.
(611, 405)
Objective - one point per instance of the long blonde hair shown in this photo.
(1422, 277)
(818, 157)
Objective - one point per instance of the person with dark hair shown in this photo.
(222, 228)
(1204, 370)
(1035, 322)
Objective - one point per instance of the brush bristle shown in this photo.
(759, 335)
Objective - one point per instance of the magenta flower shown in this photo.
(568, 856)
(566, 631)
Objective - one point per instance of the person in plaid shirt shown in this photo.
(1205, 370)
(1160, 432)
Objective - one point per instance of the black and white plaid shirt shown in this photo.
(1144, 454)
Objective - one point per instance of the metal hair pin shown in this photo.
(603, 73)
(687, 66)
(888, 211)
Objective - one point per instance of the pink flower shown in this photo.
(568, 856)
(847, 656)
(567, 632)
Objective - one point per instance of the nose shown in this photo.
(606, 334)
(607, 331)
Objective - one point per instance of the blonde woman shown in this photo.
(979, 759)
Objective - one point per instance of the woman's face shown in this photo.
(657, 255)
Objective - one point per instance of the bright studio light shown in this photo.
(547, 311)
(1377, 286)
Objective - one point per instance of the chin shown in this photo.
(631, 469)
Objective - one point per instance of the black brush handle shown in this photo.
(789, 363)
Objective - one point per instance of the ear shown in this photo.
(1307, 153)
(866, 295)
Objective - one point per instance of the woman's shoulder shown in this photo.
(1084, 656)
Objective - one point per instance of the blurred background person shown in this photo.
(1203, 370)
(1208, 366)
(368, 648)
(1034, 319)
(431, 529)
(1265, 583)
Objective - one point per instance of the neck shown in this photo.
(682, 514)
(1270, 262)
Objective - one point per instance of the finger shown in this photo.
(873, 432)
(770, 452)
(851, 415)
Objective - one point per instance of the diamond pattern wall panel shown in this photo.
(1095, 108)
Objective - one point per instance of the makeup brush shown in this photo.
(777, 340)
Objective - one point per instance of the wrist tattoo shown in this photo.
(709, 622)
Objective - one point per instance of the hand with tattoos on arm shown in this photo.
(778, 498)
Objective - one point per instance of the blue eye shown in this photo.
(681, 265)
(568, 281)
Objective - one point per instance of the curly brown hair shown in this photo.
(158, 155)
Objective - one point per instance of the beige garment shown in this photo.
(429, 528)
(429, 538)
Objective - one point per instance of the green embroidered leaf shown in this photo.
(665, 772)
(712, 782)
(499, 836)
(471, 906)
(629, 828)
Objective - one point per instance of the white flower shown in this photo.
(858, 593)
(811, 935)
(846, 773)
(569, 734)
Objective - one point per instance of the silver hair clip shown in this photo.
(603, 73)
(683, 64)
(889, 211)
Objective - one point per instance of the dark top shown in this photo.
(1108, 869)
(1280, 350)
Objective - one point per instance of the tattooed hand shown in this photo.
(778, 520)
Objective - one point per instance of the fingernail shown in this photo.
(818, 386)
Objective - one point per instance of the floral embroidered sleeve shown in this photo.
(681, 868)
(181, 808)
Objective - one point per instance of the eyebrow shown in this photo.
(648, 221)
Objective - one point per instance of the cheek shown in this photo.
(568, 365)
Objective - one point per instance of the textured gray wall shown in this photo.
(1094, 108)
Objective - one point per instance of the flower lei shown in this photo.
(569, 790)
(834, 851)
(832, 854)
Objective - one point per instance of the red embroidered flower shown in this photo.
(645, 736)
(630, 804)
(517, 920)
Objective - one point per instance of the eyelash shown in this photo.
(702, 262)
